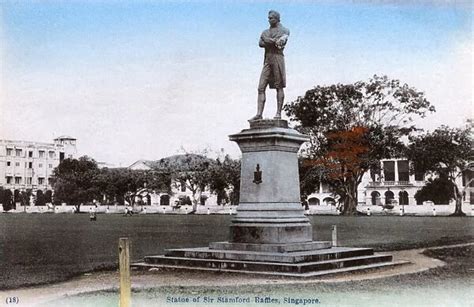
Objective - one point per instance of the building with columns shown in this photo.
(393, 185)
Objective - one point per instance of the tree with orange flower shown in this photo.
(351, 128)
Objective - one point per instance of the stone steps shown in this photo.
(272, 248)
(267, 266)
(309, 274)
(288, 257)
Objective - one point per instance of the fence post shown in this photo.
(124, 267)
(334, 235)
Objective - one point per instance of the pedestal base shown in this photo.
(301, 264)
(270, 233)
(271, 248)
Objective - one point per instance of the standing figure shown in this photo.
(273, 73)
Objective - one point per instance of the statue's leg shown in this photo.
(260, 105)
(262, 85)
(261, 102)
(280, 99)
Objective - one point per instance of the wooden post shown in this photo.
(334, 235)
(124, 266)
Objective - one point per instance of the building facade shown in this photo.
(393, 185)
(180, 193)
(29, 165)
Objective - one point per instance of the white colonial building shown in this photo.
(29, 165)
(393, 185)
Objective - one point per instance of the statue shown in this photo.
(273, 73)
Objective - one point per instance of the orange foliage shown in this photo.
(347, 150)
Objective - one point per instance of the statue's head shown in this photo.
(273, 17)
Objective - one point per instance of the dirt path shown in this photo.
(143, 280)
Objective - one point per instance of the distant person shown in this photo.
(92, 214)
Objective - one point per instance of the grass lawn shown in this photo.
(41, 248)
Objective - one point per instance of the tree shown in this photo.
(190, 170)
(48, 196)
(352, 127)
(40, 198)
(25, 197)
(225, 176)
(121, 184)
(75, 181)
(447, 153)
(439, 190)
(116, 183)
(7, 200)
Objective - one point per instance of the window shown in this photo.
(9, 179)
(183, 185)
(375, 175)
(40, 180)
(419, 175)
(40, 165)
(30, 164)
(18, 152)
(403, 198)
(17, 163)
(403, 171)
(50, 165)
(466, 178)
(17, 180)
(41, 153)
(51, 154)
(30, 154)
(389, 170)
(389, 196)
(9, 151)
(9, 163)
(28, 180)
(50, 181)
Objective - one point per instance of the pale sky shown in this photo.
(142, 79)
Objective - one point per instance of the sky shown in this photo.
(147, 79)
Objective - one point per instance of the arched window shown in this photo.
(375, 196)
(313, 201)
(329, 201)
(403, 198)
(389, 196)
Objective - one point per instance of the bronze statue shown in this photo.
(273, 73)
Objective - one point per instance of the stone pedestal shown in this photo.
(270, 210)
(270, 235)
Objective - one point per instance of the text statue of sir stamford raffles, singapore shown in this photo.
(273, 73)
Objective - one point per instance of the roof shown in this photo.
(65, 137)
(179, 162)
(142, 164)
